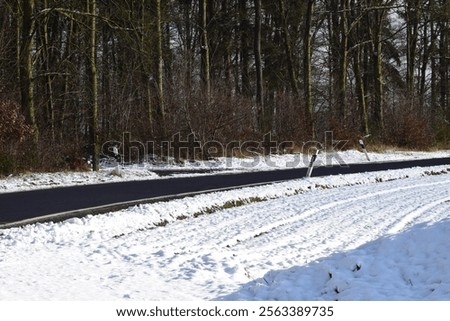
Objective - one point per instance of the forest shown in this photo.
(75, 74)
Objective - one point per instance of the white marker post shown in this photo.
(363, 146)
(311, 163)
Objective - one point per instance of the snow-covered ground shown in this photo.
(368, 236)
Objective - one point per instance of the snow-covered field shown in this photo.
(368, 236)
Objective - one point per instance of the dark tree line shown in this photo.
(83, 72)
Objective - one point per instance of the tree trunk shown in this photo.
(160, 73)
(288, 49)
(244, 49)
(146, 65)
(444, 68)
(227, 64)
(338, 30)
(26, 66)
(377, 52)
(357, 34)
(360, 90)
(48, 78)
(259, 72)
(205, 65)
(343, 56)
(66, 91)
(307, 65)
(93, 130)
(412, 26)
(19, 20)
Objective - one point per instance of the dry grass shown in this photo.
(383, 148)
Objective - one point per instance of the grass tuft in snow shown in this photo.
(230, 204)
(434, 172)
(162, 223)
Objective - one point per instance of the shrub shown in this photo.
(408, 128)
(13, 132)
(12, 124)
(7, 165)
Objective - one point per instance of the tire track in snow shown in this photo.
(325, 208)
(313, 231)
(307, 240)
(408, 219)
(149, 226)
(199, 233)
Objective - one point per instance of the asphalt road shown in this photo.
(61, 203)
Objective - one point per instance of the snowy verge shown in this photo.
(116, 173)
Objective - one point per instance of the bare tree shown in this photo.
(288, 48)
(307, 66)
(160, 72)
(258, 67)
(205, 54)
(93, 129)
(26, 64)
